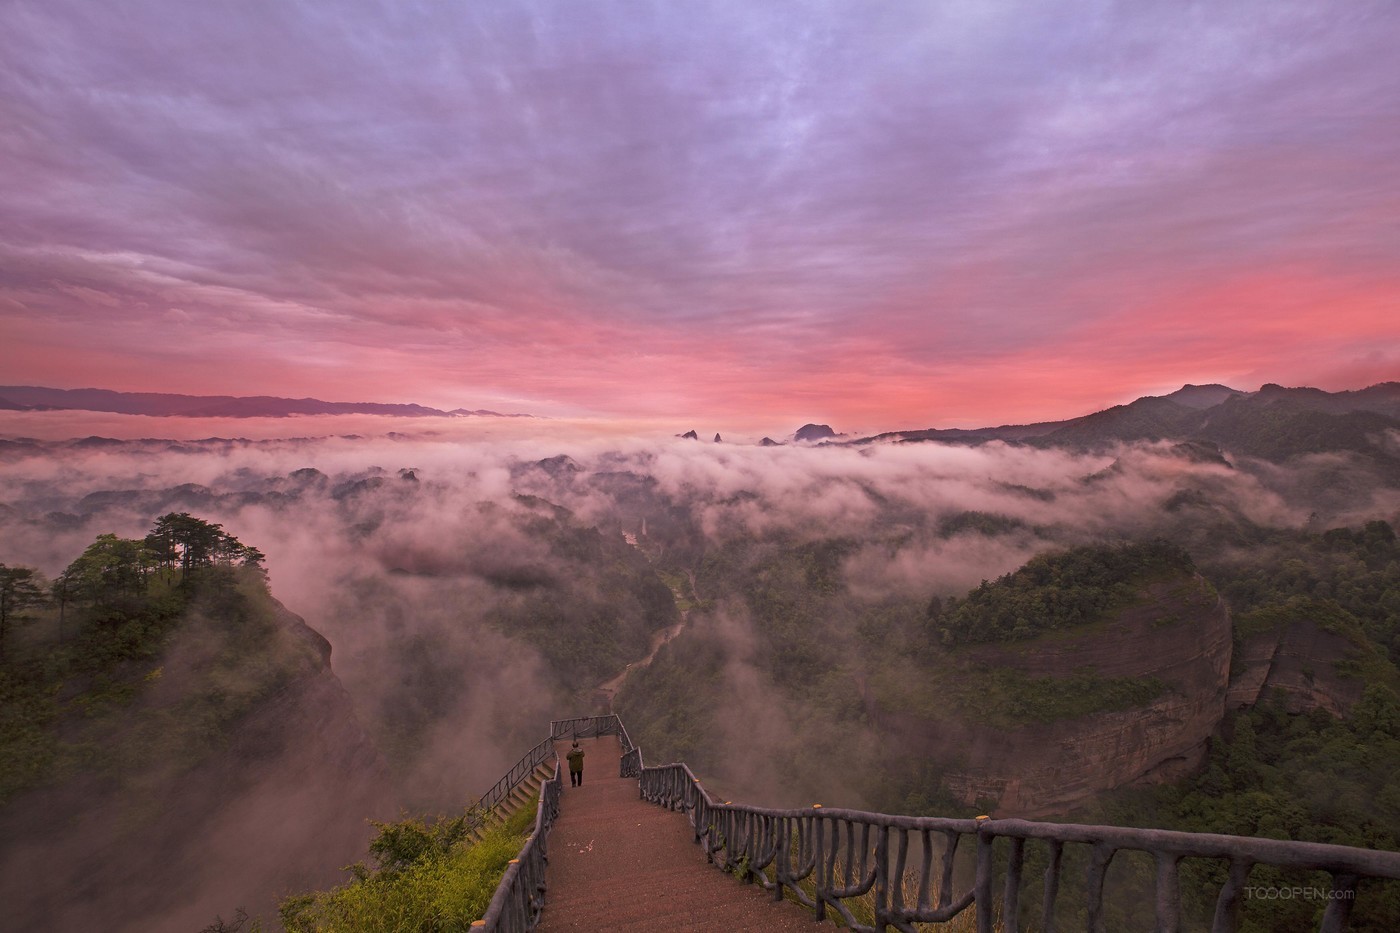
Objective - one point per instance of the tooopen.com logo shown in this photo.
(1297, 893)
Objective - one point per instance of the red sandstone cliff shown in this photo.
(1308, 663)
(1179, 636)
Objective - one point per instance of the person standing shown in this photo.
(576, 765)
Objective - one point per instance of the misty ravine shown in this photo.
(608, 690)
(874, 605)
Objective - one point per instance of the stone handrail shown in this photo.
(515, 907)
(512, 778)
(519, 898)
(824, 857)
(588, 727)
(827, 857)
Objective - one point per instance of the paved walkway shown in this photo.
(617, 862)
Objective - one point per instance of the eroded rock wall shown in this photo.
(1179, 635)
(1304, 662)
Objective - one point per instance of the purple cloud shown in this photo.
(494, 185)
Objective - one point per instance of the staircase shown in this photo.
(621, 864)
(623, 855)
(520, 795)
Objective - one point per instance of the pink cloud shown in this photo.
(881, 222)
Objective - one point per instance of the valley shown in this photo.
(1163, 632)
(608, 690)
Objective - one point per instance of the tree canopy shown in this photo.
(180, 539)
(113, 574)
(19, 590)
(127, 599)
(1056, 591)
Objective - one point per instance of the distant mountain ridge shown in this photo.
(1273, 423)
(165, 405)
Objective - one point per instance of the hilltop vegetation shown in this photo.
(428, 877)
(167, 734)
(1056, 591)
(1355, 570)
(905, 608)
(108, 621)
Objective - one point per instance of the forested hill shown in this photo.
(165, 404)
(1056, 592)
(1275, 423)
(829, 636)
(1087, 668)
(172, 741)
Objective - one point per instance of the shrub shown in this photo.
(431, 879)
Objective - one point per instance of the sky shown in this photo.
(740, 214)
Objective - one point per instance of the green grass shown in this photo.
(442, 890)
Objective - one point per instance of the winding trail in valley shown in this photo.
(608, 690)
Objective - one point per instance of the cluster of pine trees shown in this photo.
(110, 581)
(114, 607)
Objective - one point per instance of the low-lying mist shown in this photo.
(474, 589)
(400, 550)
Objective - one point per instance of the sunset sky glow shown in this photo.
(877, 215)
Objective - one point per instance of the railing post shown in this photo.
(1334, 919)
(945, 881)
(1052, 886)
(882, 880)
(901, 856)
(1227, 906)
(780, 856)
(1011, 897)
(1099, 858)
(1168, 893)
(984, 878)
(694, 801)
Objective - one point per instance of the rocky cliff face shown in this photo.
(1179, 636)
(278, 807)
(1301, 660)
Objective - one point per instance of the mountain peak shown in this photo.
(1202, 397)
(166, 404)
(814, 432)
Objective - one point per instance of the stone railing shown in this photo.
(588, 727)
(512, 779)
(860, 865)
(877, 871)
(519, 898)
